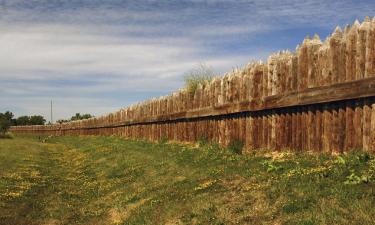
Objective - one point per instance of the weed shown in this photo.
(363, 157)
(163, 140)
(307, 222)
(214, 146)
(203, 141)
(270, 166)
(355, 179)
(340, 160)
(236, 146)
(6, 136)
(198, 76)
(298, 205)
(205, 185)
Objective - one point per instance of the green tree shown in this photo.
(62, 121)
(30, 120)
(8, 115)
(37, 120)
(5, 122)
(23, 121)
(78, 116)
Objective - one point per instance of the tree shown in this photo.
(5, 122)
(8, 115)
(62, 121)
(37, 120)
(78, 116)
(4, 125)
(30, 120)
(23, 121)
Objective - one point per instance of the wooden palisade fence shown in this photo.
(320, 97)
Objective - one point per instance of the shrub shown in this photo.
(30, 120)
(203, 141)
(356, 179)
(4, 124)
(198, 76)
(6, 136)
(78, 116)
(270, 166)
(236, 146)
(163, 139)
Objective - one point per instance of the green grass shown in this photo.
(107, 180)
(6, 136)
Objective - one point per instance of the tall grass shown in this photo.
(200, 75)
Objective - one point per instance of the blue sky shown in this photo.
(95, 57)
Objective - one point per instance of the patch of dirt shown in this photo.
(245, 202)
(51, 222)
(117, 216)
(174, 222)
(280, 156)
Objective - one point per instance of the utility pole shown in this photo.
(51, 113)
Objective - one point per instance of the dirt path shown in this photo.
(45, 186)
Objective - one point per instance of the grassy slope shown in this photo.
(105, 180)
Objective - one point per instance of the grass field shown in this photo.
(107, 180)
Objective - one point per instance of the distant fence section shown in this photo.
(320, 98)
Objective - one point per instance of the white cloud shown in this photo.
(62, 107)
(64, 49)
(85, 55)
(34, 57)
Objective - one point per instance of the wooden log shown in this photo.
(305, 133)
(297, 130)
(303, 65)
(335, 130)
(337, 51)
(323, 65)
(282, 75)
(272, 89)
(288, 129)
(235, 89)
(366, 125)
(372, 133)
(358, 126)
(242, 128)
(327, 129)
(361, 49)
(370, 51)
(249, 141)
(312, 60)
(259, 74)
(342, 126)
(311, 129)
(319, 129)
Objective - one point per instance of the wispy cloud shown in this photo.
(94, 56)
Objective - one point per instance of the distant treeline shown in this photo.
(7, 120)
(77, 116)
(22, 120)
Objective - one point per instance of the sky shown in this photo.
(96, 57)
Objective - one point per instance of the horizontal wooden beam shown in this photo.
(325, 94)
(317, 95)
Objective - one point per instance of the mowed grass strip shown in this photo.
(108, 180)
